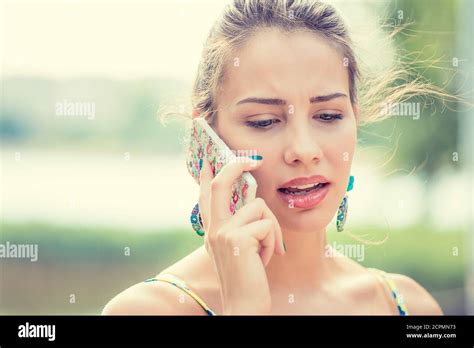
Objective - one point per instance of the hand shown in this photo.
(241, 245)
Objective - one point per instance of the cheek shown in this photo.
(339, 154)
(339, 150)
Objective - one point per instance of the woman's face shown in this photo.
(297, 133)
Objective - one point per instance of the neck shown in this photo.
(305, 264)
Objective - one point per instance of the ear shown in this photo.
(195, 113)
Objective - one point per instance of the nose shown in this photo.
(302, 144)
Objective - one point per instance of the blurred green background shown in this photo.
(92, 192)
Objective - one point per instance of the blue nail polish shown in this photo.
(256, 157)
(200, 163)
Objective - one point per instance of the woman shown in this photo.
(278, 77)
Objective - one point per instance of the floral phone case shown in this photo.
(205, 143)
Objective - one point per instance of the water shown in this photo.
(146, 191)
(137, 191)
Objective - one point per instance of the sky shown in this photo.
(120, 38)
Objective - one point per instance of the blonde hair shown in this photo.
(243, 18)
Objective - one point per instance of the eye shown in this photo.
(328, 118)
(261, 123)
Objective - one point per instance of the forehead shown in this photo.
(293, 66)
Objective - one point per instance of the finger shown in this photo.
(221, 188)
(257, 210)
(263, 233)
(205, 177)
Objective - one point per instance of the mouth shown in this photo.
(304, 193)
(303, 189)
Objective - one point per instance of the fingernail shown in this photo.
(256, 157)
(200, 163)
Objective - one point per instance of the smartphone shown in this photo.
(206, 144)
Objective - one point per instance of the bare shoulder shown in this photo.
(162, 298)
(151, 298)
(417, 299)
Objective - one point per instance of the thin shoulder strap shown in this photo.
(172, 279)
(398, 297)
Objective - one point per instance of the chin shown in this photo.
(301, 227)
(304, 221)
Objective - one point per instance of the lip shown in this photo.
(305, 181)
(305, 201)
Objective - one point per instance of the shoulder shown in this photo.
(417, 299)
(151, 298)
(162, 298)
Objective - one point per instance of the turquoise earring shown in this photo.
(342, 211)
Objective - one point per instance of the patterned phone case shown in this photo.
(206, 143)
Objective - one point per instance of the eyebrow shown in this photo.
(277, 101)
